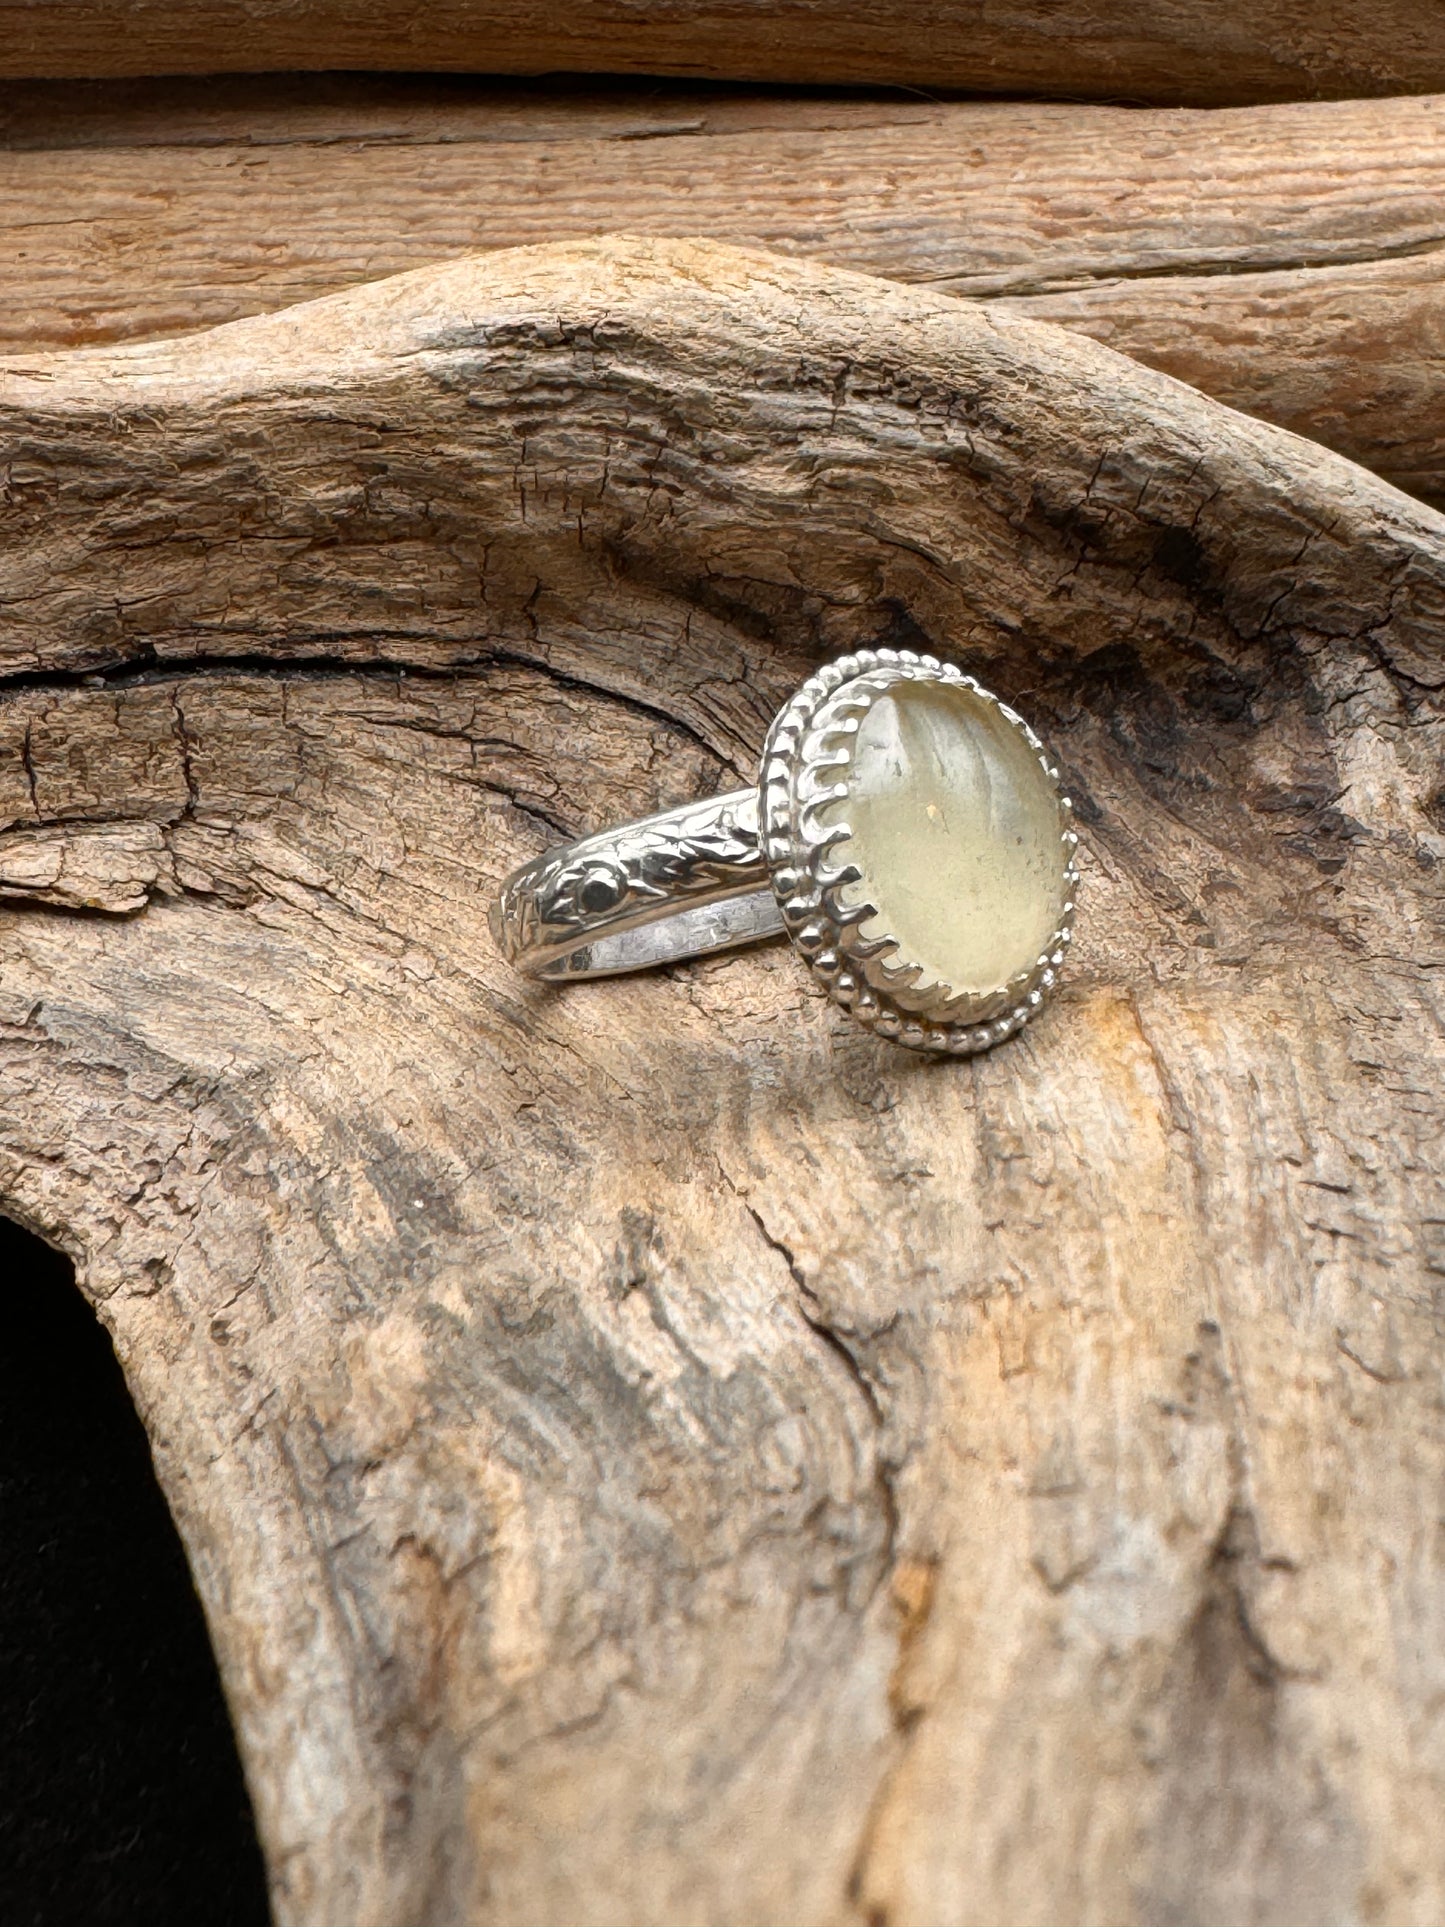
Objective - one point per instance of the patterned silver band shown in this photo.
(679, 884)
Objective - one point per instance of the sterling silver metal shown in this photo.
(755, 863)
(679, 884)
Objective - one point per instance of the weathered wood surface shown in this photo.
(1163, 50)
(652, 1452)
(1288, 260)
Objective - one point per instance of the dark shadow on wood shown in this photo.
(121, 1796)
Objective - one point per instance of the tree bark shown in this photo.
(1171, 51)
(1288, 260)
(652, 1452)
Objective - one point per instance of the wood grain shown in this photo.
(1288, 260)
(652, 1452)
(1159, 50)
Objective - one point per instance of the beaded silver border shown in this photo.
(808, 748)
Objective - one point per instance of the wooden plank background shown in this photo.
(1289, 260)
(1144, 50)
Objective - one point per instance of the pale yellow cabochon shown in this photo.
(956, 828)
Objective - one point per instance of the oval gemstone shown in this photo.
(956, 827)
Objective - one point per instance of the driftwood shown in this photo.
(652, 1452)
(1288, 260)
(1162, 50)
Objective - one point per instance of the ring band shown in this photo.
(907, 833)
(679, 884)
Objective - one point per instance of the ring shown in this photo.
(907, 832)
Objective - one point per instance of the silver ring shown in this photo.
(908, 833)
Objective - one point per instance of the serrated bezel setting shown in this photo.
(805, 769)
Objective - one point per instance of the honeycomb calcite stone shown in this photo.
(956, 827)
